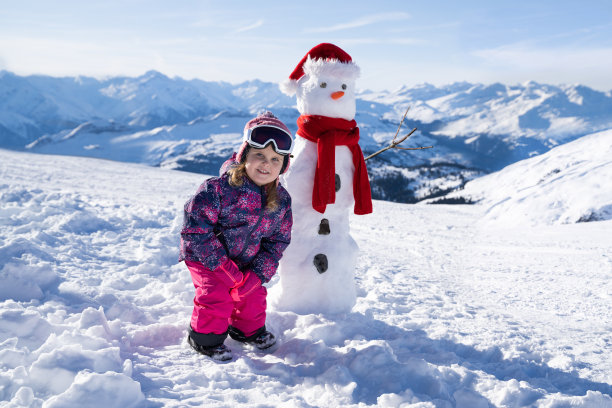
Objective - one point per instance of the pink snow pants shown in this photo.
(214, 309)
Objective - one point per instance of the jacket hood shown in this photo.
(228, 164)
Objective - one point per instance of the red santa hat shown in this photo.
(323, 59)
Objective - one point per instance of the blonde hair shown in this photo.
(237, 173)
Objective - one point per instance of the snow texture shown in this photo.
(450, 312)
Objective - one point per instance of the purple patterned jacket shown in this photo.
(224, 222)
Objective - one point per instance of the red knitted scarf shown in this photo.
(328, 133)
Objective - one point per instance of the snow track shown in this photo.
(450, 312)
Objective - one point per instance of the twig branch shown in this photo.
(400, 124)
(394, 144)
(414, 148)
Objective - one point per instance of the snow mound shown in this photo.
(92, 390)
(570, 183)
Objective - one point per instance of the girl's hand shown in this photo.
(229, 274)
(250, 283)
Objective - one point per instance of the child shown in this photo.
(235, 230)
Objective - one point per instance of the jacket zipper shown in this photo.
(261, 215)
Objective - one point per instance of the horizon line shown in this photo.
(107, 77)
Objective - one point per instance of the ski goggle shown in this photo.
(261, 136)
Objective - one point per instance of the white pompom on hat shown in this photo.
(323, 59)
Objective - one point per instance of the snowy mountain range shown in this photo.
(194, 125)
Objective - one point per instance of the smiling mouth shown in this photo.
(263, 172)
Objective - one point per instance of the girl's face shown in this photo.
(263, 165)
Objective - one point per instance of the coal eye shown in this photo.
(344, 86)
(323, 84)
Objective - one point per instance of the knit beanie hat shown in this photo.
(262, 120)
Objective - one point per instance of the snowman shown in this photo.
(327, 179)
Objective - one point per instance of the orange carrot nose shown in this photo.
(337, 95)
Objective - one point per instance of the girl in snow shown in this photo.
(235, 230)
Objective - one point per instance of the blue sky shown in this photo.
(394, 42)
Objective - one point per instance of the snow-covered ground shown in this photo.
(451, 312)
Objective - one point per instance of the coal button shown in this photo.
(324, 227)
(320, 262)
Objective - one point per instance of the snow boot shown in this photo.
(219, 352)
(262, 339)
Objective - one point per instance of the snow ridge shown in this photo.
(568, 184)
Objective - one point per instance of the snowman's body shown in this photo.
(317, 268)
(303, 288)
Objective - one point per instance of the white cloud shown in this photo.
(256, 24)
(361, 22)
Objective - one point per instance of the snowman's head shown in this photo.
(327, 89)
(324, 83)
